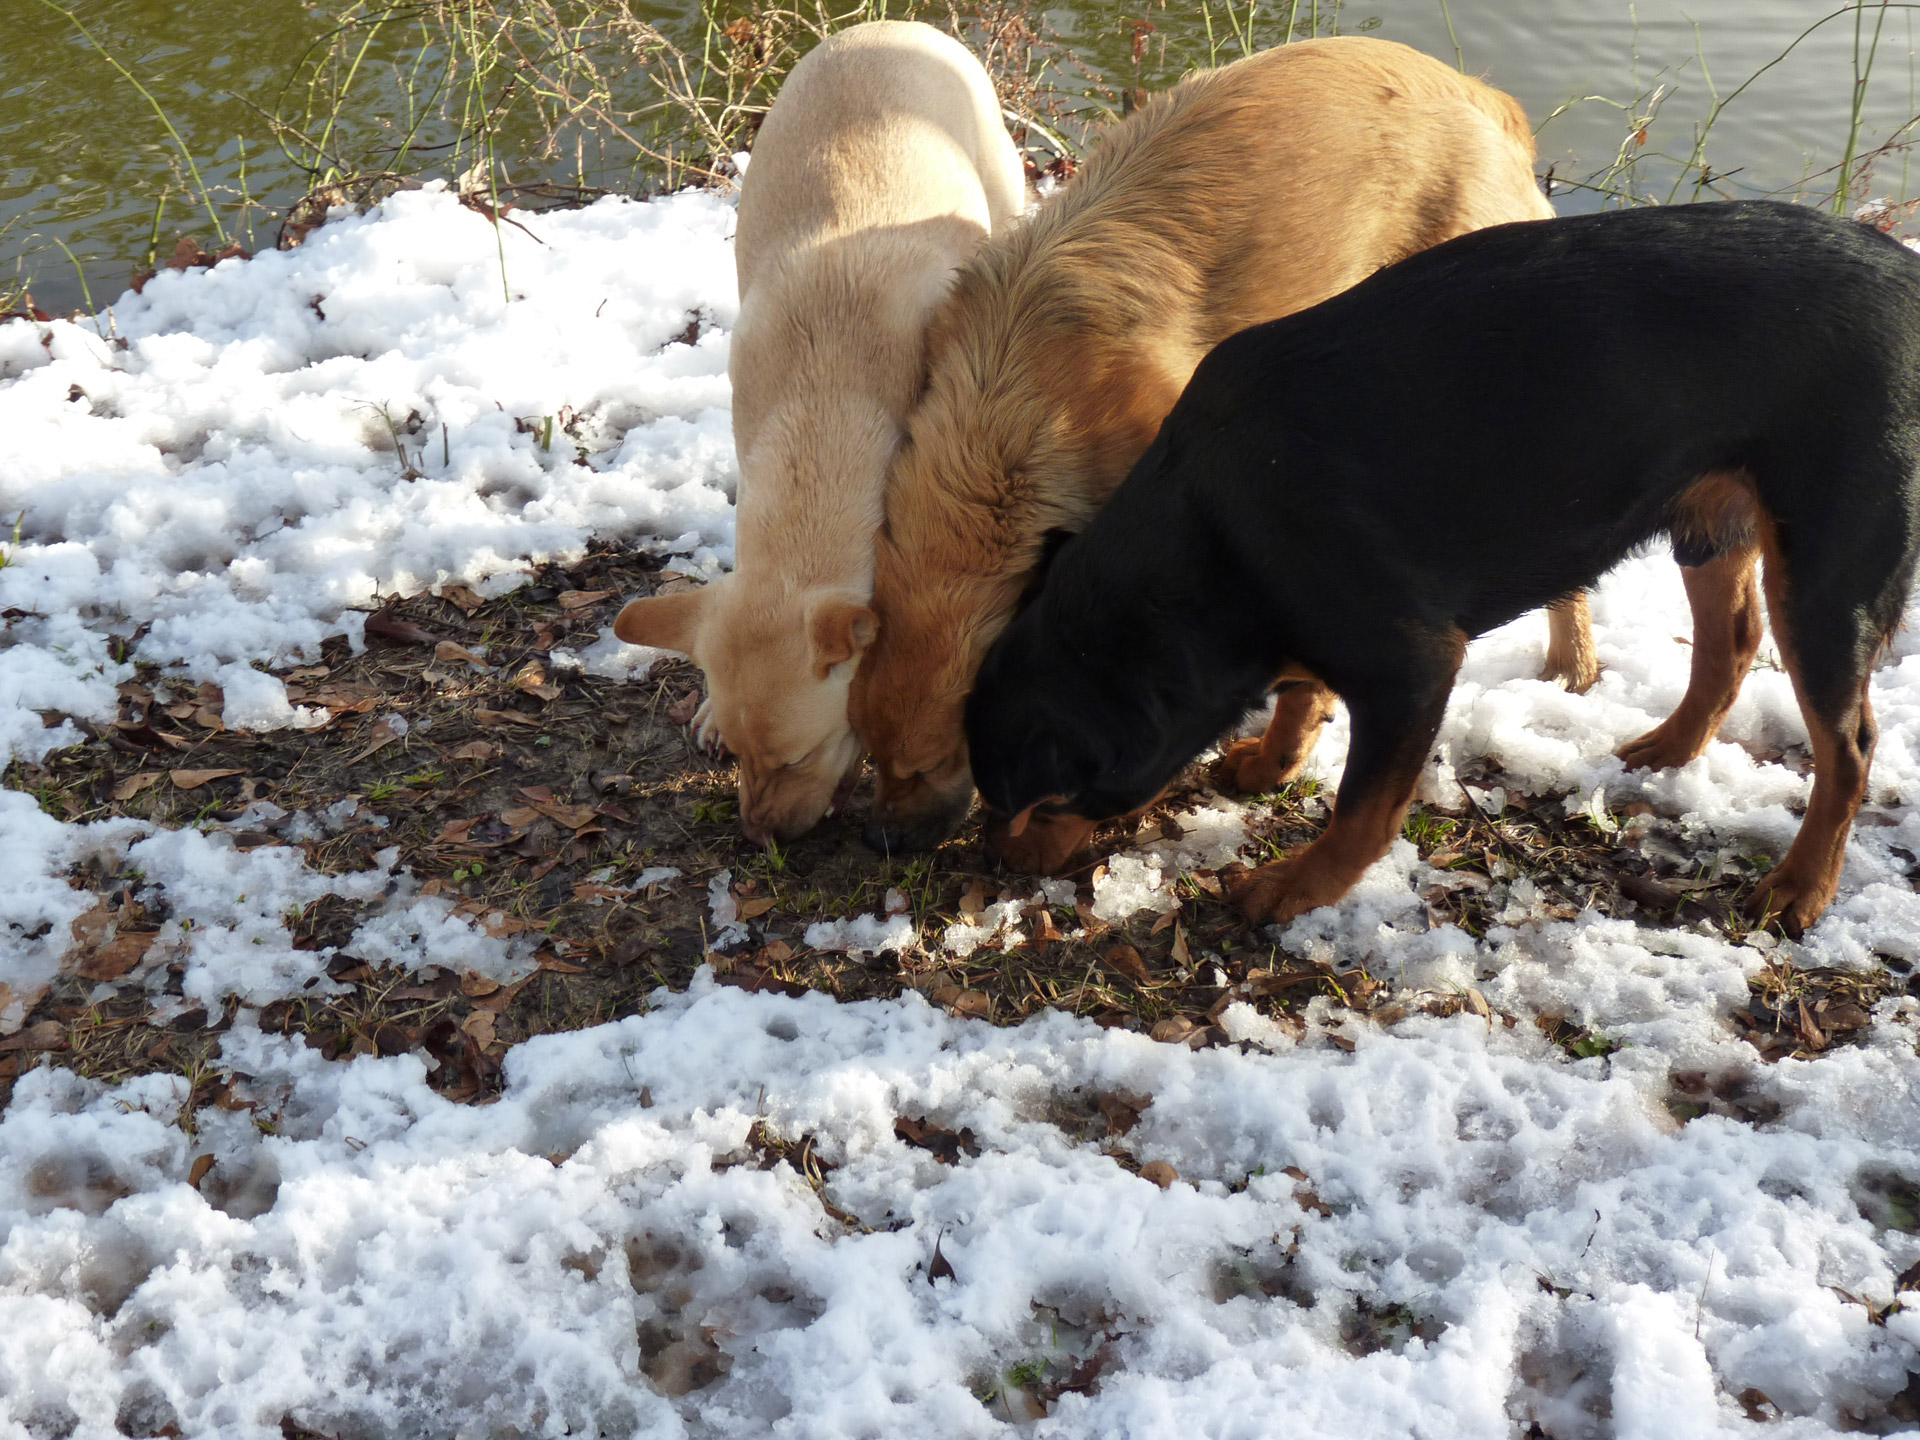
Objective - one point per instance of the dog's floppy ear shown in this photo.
(1050, 545)
(839, 631)
(666, 622)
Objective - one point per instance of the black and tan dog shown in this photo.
(1343, 498)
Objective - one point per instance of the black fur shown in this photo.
(1461, 438)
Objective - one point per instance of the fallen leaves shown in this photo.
(386, 730)
(46, 1035)
(968, 1004)
(385, 625)
(118, 956)
(134, 784)
(452, 651)
(194, 779)
(1125, 960)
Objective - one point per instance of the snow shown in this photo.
(1525, 1237)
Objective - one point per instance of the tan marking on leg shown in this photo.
(1797, 891)
(1570, 655)
(1327, 869)
(1257, 764)
(1726, 636)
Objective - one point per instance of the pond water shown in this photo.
(91, 180)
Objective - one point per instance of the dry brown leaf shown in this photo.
(194, 779)
(198, 1171)
(453, 650)
(1125, 960)
(506, 717)
(1172, 1030)
(117, 956)
(90, 929)
(479, 1026)
(557, 965)
(971, 1003)
(475, 750)
(540, 798)
(586, 890)
(1181, 955)
(519, 817)
(754, 909)
(134, 784)
(383, 734)
(581, 599)
(462, 597)
(473, 985)
(208, 718)
(1477, 1003)
(974, 898)
(1122, 1112)
(1162, 923)
(456, 832)
(388, 626)
(47, 1035)
(338, 704)
(1159, 1172)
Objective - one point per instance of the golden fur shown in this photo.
(1243, 194)
(881, 167)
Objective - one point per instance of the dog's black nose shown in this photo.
(885, 839)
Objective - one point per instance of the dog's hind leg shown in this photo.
(1395, 715)
(1828, 647)
(1726, 636)
(1258, 764)
(1570, 655)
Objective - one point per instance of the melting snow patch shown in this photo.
(1483, 1237)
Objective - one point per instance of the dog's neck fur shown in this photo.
(824, 393)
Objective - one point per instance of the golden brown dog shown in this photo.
(881, 167)
(1243, 194)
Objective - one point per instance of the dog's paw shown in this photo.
(1246, 770)
(1575, 675)
(1661, 748)
(1285, 890)
(1789, 899)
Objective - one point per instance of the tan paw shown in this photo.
(1285, 890)
(1576, 675)
(1788, 900)
(1242, 769)
(1659, 749)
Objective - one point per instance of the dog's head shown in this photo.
(778, 669)
(1084, 710)
(908, 703)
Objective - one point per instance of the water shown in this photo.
(84, 158)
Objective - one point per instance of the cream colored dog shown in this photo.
(880, 169)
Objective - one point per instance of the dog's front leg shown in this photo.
(1258, 764)
(1394, 720)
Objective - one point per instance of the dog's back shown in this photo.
(1245, 193)
(881, 167)
(1764, 340)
